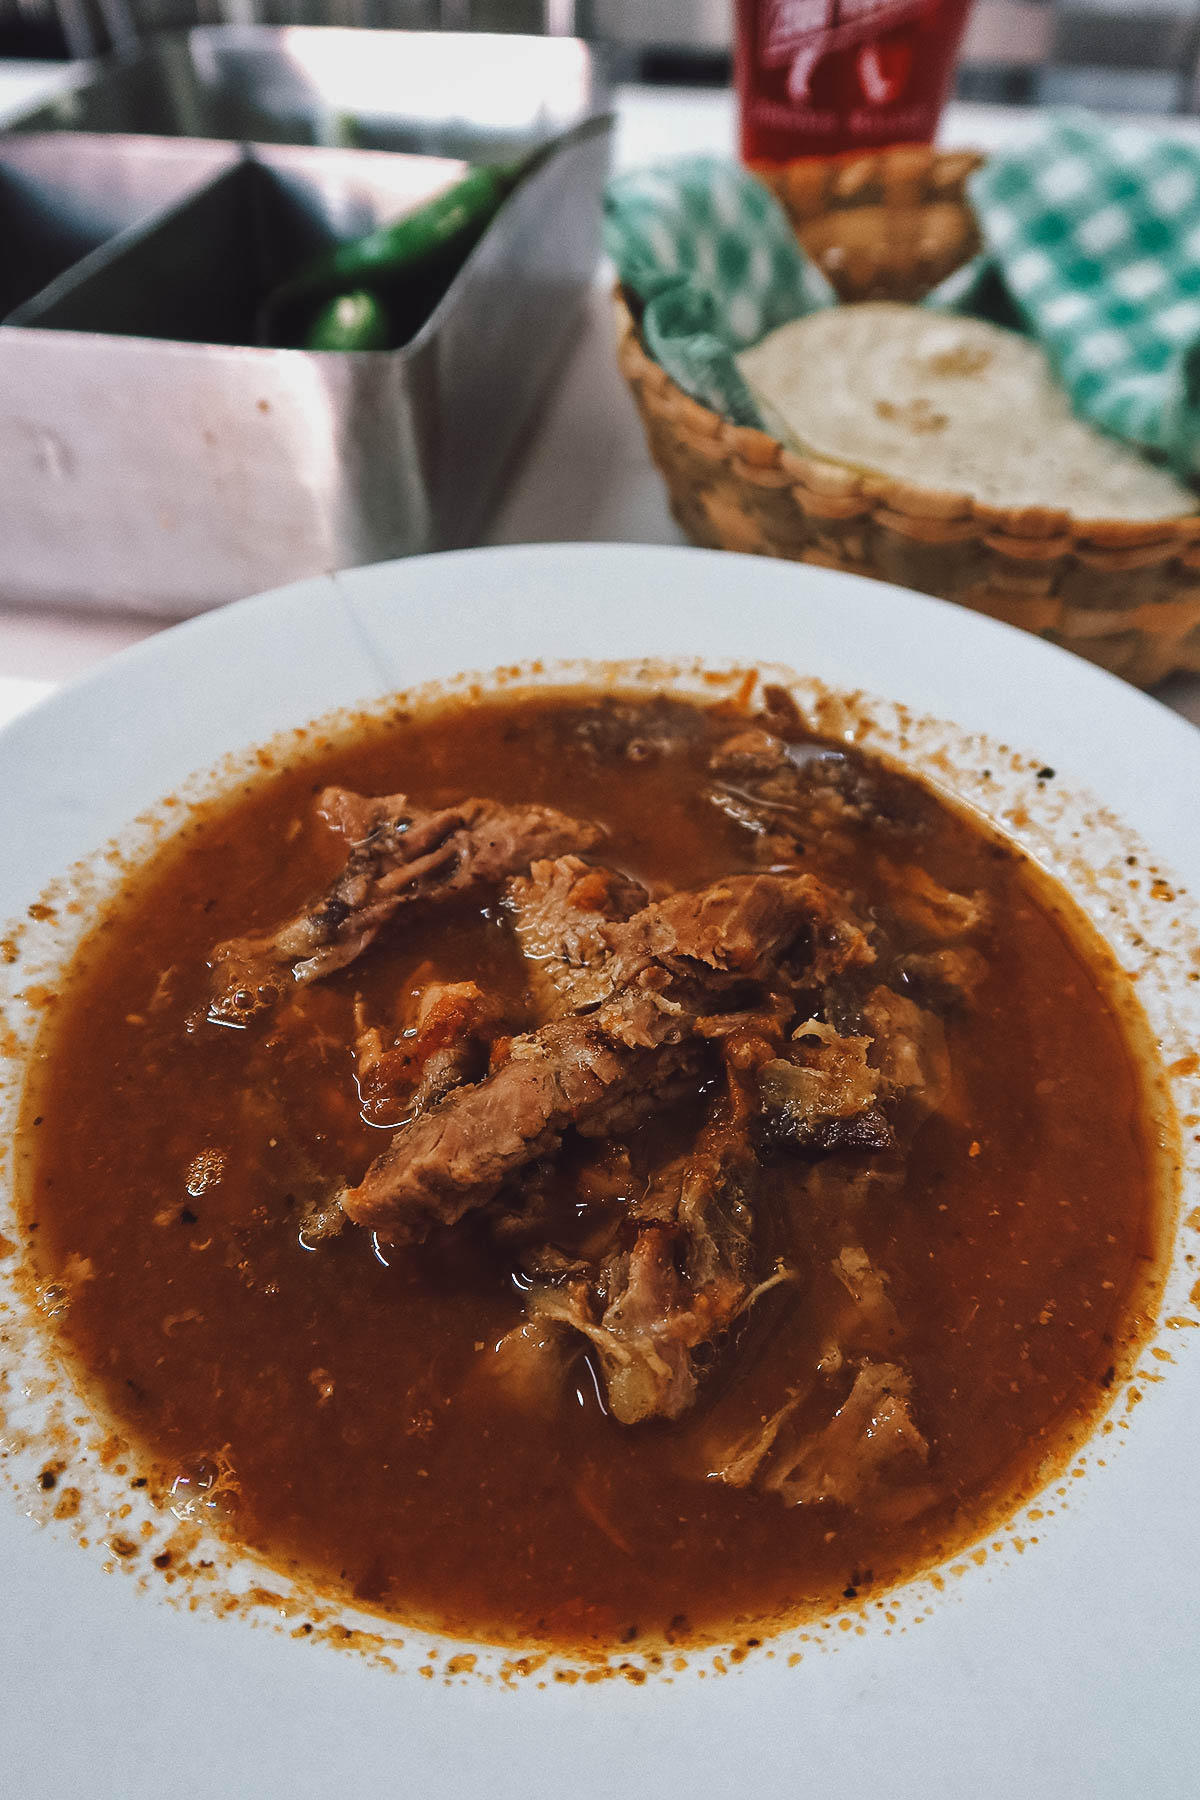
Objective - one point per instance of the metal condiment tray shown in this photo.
(156, 460)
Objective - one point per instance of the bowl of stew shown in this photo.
(612, 1124)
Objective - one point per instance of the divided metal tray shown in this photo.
(155, 459)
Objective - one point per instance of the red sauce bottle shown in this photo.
(816, 77)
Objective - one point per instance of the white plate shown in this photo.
(1070, 1670)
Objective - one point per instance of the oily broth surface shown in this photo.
(338, 1411)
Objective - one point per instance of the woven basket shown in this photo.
(890, 226)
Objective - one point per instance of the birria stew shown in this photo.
(578, 1169)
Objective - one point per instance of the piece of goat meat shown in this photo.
(559, 911)
(398, 855)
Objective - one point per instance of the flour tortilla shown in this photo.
(947, 403)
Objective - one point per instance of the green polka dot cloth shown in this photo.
(1092, 241)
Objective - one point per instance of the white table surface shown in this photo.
(584, 475)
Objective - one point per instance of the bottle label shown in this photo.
(798, 33)
(824, 77)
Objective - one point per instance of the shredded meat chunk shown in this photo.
(648, 1310)
(455, 1157)
(446, 1046)
(644, 1334)
(824, 1092)
(944, 977)
(790, 793)
(750, 752)
(833, 1091)
(559, 910)
(652, 1309)
(740, 927)
(909, 1050)
(872, 1318)
(676, 967)
(398, 855)
(871, 1441)
(936, 911)
(749, 926)
(645, 732)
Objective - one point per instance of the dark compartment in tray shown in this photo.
(201, 273)
(63, 197)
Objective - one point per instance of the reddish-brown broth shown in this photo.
(338, 1412)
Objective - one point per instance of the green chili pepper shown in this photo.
(421, 246)
(356, 321)
(459, 213)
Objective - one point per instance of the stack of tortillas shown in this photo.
(946, 402)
